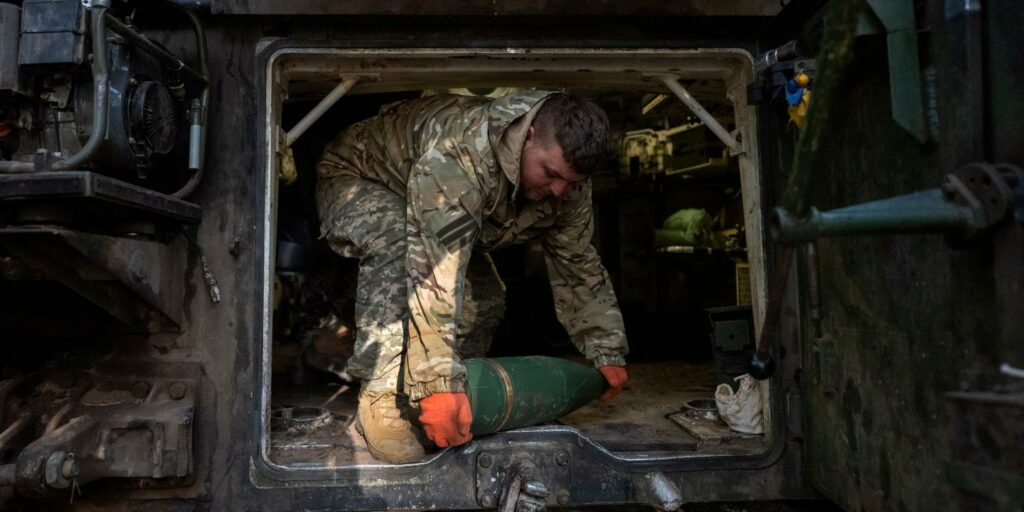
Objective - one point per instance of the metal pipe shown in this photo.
(204, 105)
(13, 167)
(319, 110)
(195, 135)
(12, 432)
(673, 84)
(1006, 369)
(100, 68)
(193, 4)
(163, 55)
(920, 212)
(773, 56)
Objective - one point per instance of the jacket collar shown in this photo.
(509, 118)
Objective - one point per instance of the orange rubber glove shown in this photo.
(446, 418)
(616, 377)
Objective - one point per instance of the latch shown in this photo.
(524, 492)
(522, 481)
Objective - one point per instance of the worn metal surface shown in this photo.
(126, 424)
(131, 201)
(136, 281)
(497, 8)
(10, 34)
(52, 32)
(225, 338)
(907, 319)
(984, 429)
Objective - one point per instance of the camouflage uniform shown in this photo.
(412, 192)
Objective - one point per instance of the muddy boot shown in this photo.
(384, 423)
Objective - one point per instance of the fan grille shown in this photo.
(154, 117)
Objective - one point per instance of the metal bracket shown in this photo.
(138, 282)
(727, 138)
(134, 422)
(514, 480)
(896, 18)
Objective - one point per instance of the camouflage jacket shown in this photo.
(456, 161)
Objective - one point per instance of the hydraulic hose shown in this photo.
(100, 70)
(204, 100)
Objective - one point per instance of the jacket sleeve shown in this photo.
(584, 299)
(442, 224)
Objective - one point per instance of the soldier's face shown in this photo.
(543, 171)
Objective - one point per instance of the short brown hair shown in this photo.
(580, 128)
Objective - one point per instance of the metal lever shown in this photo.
(973, 199)
(524, 493)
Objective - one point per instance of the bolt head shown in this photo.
(236, 247)
(562, 458)
(487, 500)
(177, 390)
(485, 461)
(70, 467)
(54, 469)
(563, 498)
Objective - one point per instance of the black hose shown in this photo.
(204, 97)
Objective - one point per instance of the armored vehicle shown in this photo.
(826, 196)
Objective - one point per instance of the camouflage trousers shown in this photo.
(362, 219)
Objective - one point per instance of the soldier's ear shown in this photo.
(529, 135)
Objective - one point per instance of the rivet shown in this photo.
(563, 497)
(177, 390)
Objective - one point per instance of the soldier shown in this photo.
(419, 193)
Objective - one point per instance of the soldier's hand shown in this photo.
(446, 418)
(616, 377)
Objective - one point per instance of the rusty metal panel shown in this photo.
(499, 8)
(907, 319)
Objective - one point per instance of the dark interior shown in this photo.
(686, 304)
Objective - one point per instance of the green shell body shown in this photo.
(511, 392)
